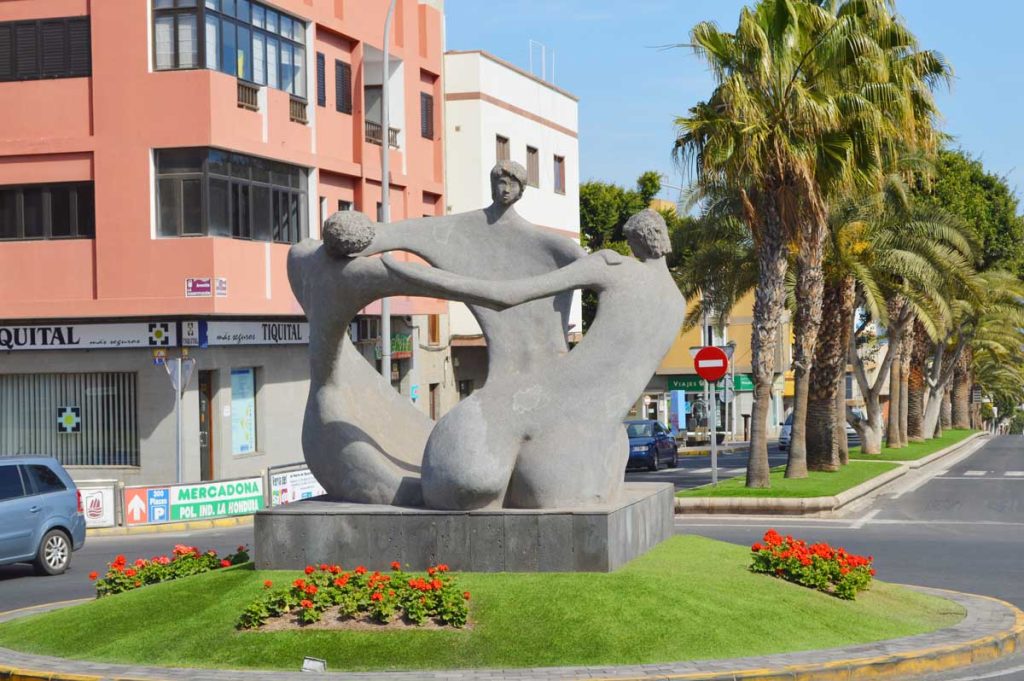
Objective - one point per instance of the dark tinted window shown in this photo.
(10, 482)
(53, 48)
(641, 429)
(43, 479)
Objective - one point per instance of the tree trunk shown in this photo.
(769, 306)
(840, 433)
(908, 342)
(933, 411)
(827, 372)
(892, 429)
(872, 428)
(916, 384)
(961, 398)
(806, 325)
(947, 410)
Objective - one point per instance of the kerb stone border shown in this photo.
(812, 505)
(992, 629)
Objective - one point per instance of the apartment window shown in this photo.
(532, 167)
(342, 87)
(321, 80)
(344, 205)
(559, 174)
(48, 48)
(426, 115)
(501, 148)
(105, 403)
(244, 39)
(367, 329)
(434, 329)
(210, 192)
(243, 411)
(47, 211)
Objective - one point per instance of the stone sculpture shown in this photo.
(545, 431)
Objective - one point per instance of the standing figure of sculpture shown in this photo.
(494, 244)
(553, 431)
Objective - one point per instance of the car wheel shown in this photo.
(653, 465)
(54, 554)
(675, 460)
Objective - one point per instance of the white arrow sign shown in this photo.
(136, 508)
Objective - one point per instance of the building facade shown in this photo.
(157, 160)
(496, 111)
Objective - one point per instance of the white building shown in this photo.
(495, 111)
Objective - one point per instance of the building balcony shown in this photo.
(375, 134)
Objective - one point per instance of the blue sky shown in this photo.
(606, 52)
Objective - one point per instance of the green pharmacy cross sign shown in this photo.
(692, 383)
(69, 419)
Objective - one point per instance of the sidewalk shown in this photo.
(992, 629)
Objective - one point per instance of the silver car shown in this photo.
(41, 518)
(786, 434)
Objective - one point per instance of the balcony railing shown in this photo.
(297, 110)
(248, 96)
(375, 134)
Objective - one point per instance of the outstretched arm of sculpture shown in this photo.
(590, 272)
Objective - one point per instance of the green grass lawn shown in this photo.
(915, 450)
(689, 598)
(816, 484)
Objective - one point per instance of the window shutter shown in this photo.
(80, 47)
(26, 51)
(426, 115)
(6, 50)
(343, 87)
(53, 46)
(321, 80)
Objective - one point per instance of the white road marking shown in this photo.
(864, 520)
(1014, 474)
(978, 479)
(699, 471)
(992, 675)
(975, 473)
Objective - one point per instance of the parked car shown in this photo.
(41, 518)
(786, 435)
(650, 444)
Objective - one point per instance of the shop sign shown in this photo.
(221, 286)
(203, 501)
(98, 505)
(401, 346)
(198, 287)
(695, 384)
(69, 419)
(202, 334)
(293, 486)
(88, 336)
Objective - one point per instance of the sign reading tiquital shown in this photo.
(88, 336)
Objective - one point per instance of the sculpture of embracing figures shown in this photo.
(545, 431)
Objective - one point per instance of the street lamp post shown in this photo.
(385, 188)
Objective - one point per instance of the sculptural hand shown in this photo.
(448, 285)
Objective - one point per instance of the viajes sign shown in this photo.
(88, 336)
(202, 501)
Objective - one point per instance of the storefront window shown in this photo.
(243, 411)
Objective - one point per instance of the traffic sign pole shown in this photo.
(713, 426)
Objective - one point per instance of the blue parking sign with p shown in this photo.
(158, 502)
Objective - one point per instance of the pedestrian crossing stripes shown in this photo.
(981, 474)
(975, 473)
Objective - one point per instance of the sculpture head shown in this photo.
(346, 233)
(647, 235)
(508, 180)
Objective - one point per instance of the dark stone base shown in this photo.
(596, 539)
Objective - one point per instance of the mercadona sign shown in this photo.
(216, 499)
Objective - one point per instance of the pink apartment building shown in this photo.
(157, 160)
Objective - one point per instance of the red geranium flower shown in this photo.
(305, 603)
(360, 570)
(395, 565)
(93, 575)
(310, 569)
(225, 563)
(376, 596)
(465, 594)
(267, 584)
(129, 572)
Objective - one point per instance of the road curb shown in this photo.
(187, 526)
(992, 629)
(810, 505)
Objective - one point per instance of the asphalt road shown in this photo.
(694, 471)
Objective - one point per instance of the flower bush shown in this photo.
(381, 597)
(184, 561)
(818, 566)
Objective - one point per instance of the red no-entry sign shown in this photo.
(711, 363)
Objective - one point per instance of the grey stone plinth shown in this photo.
(595, 539)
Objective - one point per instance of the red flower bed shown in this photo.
(358, 593)
(818, 566)
(183, 561)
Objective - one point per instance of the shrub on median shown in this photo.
(183, 561)
(818, 566)
(358, 593)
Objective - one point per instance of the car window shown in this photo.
(43, 480)
(639, 430)
(10, 483)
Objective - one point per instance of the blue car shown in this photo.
(650, 444)
(41, 518)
